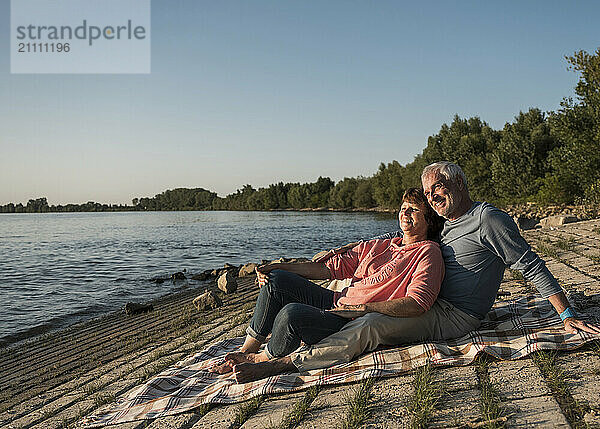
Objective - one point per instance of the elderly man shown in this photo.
(478, 242)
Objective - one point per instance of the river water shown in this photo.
(60, 268)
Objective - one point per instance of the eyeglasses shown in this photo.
(435, 187)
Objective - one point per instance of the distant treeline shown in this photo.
(40, 205)
(544, 157)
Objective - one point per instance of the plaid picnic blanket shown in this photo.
(510, 331)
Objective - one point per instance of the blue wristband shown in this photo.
(569, 312)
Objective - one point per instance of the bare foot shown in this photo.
(223, 368)
(246, 372)
(239, 357)
(235, 358)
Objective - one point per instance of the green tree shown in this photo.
(319, 191)
(203, 199)
(388, 185)
(575, 162)
(363, 195)
(39, 205)
(8, 208)
(298, 196)
(341, 195)
(519, 162)
(411, 174)
(278, 194)
(469, 143)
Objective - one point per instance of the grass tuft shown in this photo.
(246, 410)
(203, 409)
(248, 306)
(81, 412)
(516, 274)
(103, 398)
(300, 409)
(152, 369)
(491, 410)
(595, 347)
(426, 395)
(187, 319)
(565, 243)
(64, 423)
(573, 410)
(239, 319)
(91, 388)
(547, 250)
(47, 414)
(358, 404)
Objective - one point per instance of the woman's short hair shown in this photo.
(434, 221)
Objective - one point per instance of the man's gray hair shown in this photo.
(447, 169)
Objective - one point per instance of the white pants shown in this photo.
(364, 334)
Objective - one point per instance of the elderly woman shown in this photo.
(399, 277)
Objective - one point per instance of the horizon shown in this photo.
(274, 92)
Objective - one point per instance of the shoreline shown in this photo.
(527, 210)
(194, 283)
(59, 331)
(49, 329)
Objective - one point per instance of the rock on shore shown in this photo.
(227, 282)
(531, 216)
(209, 300)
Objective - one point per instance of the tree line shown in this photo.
(40, 205)
(545, 157)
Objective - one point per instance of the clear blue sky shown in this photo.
(264, 91)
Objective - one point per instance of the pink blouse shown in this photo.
(382, 270)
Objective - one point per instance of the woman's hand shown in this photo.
(308, 270)
(262, 272)
(261, 278)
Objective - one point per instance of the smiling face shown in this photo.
(444, 195)
(412, 220)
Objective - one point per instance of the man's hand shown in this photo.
(573, 325)
(326, 254)
(399, 307)
(349, 311)
(323, 255)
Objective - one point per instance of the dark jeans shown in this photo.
(292, 309)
